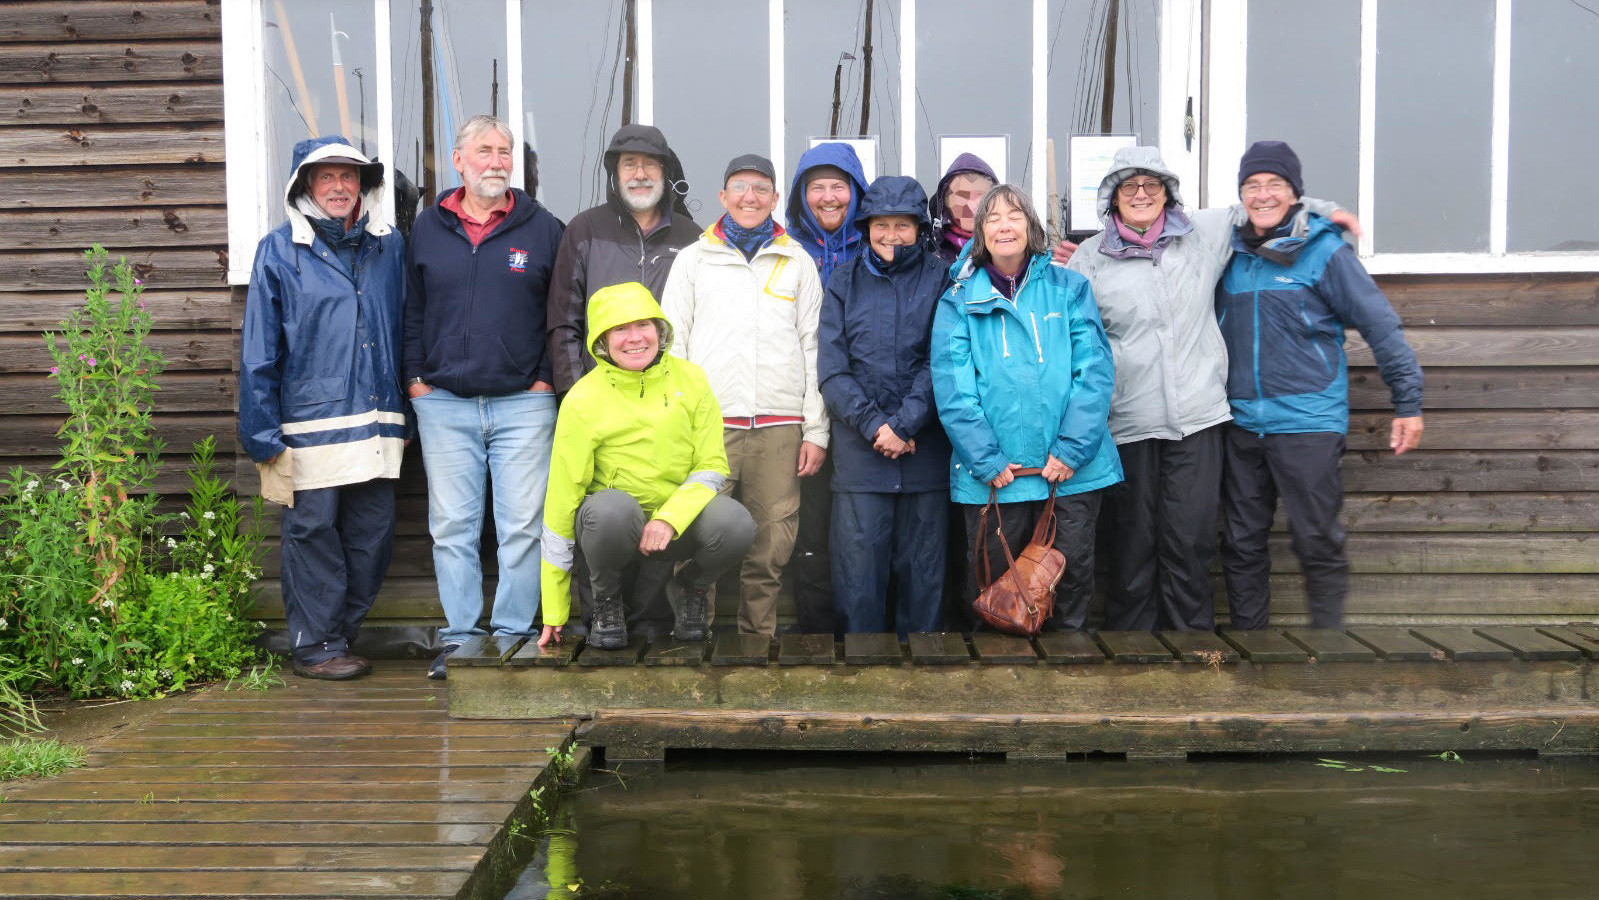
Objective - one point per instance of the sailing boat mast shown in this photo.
(630, 49)
(866, 74)
(1107, 99)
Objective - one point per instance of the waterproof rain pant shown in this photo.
(875, 535)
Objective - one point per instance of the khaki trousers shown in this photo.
(762, 463)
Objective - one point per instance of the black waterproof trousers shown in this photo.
(1075, 518)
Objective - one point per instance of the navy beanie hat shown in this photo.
(1275, 157)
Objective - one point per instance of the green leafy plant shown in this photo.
(18, 713)
(218, 542)
(105, 374)
(180, 630)
(261, 677)
(38, 757)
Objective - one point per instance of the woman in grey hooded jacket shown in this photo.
(1154, 271)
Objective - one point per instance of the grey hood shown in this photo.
(1130, 161)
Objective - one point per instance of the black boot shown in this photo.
(690, 618)
(608, 630)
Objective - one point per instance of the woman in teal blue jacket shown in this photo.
(1022, 375)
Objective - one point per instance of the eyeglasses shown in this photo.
(646, 165)
(1152, 188)
(758, 188)
(1274, 186)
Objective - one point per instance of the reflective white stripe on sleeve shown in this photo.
(713, 480)
(557, 550)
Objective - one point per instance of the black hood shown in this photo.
(646, 139)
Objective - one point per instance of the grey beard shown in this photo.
(648, 203)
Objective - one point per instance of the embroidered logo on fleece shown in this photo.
(518, 260)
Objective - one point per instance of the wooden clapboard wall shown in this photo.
(114, 134)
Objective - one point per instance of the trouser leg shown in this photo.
(1249, 501)
(863, 537)
(1305, 468)
(769, 489)
(610, 524)
(1190, 492)
(919, 560)
(1076, 516)
(314, 580)
(715, 542)
(520, 430)
(456, 458)
(1132, 507)
(810, 566)
(366, 531)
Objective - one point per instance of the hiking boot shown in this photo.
(690, 618)
(608, 629)
(337, 668)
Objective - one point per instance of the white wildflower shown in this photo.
(172, 544)
(126, 686)
(77, 660)
(95, 619)
(209, 515)
(3, 624)
(209, 569)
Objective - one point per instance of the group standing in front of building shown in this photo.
(651, 404)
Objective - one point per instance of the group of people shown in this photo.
(652, 404)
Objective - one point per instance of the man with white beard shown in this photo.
(478, 374)
(633, 236)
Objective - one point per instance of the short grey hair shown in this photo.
(1037, 241)
(478, 124)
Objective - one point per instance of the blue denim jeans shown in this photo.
(507, 437)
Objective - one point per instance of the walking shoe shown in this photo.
(608, 630)
(337, 668)
(690, 619)
(436, 668)
(366, 664)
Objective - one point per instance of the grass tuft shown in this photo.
(38, 758)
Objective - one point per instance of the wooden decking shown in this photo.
(314, 789)
(1166, 694)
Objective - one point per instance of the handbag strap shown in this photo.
(1044, 531)
(985, 575)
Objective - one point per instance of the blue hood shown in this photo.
(895, 195)
(829, 250)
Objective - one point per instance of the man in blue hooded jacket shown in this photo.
(320, 409)
(1283, 303)
(823, 204)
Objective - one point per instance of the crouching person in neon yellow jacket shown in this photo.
(636, 473)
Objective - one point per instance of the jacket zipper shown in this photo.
(1260, 394)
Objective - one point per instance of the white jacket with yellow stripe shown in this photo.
(751, 325)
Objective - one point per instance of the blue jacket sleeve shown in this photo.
(955, 391)
(260, 359)
(1352, 294)
(846, 399)
(1084, 424)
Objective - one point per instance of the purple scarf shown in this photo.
(1150, 235)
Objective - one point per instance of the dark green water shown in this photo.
(796, 829)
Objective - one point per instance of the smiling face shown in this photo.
(640, 177)
(887, 232)
(749, 197)
(1140, 199)
(1267, 199)
(335, 188)
(484, 161)
(1005, 235)
(634, 345)
(828, 200)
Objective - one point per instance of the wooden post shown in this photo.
(430, 180)
(294, 67)
(866, 74)
(1108, 98)
(630, 40)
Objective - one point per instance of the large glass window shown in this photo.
(1554, 127)
(1304, 88)
(1434, 125)
(1100, 50)
(320, 81)
(711, 90)
(468, 74)
(824, 41)
(573, 58)
(974, 75)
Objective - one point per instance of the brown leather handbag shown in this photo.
(1021, 599)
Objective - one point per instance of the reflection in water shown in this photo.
(870, 830)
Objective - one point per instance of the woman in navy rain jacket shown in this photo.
(890, 455)
(1022, 374)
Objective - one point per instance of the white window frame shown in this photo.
(1227, 50)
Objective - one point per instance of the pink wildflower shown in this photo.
(55, 370)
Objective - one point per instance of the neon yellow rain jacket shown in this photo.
(656, 434)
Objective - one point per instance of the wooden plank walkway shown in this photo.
(314, 789)
(1432, 688)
